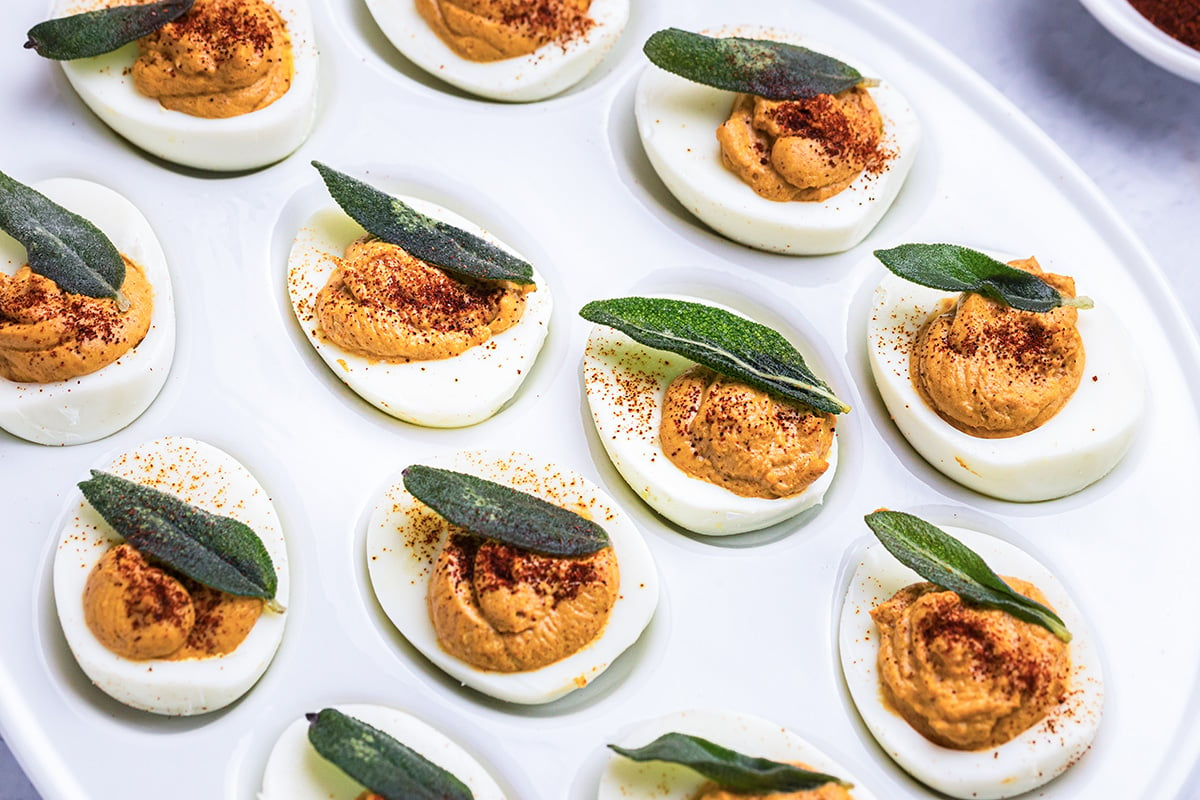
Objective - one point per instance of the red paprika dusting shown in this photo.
(1179, 19)
(224, 25)
(494, 565)
(552, 20)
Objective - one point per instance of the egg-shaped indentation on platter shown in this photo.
(94, 405)
(405, 539)
(627, 385)
(1076, 447)
(227, 143)
(551, 68)
(440, 392)
(210, 479)
(749, 735)
(296, 771)
(678, 119)
(1036, 755)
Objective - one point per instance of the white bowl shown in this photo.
(1127, 24)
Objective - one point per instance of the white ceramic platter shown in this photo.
(746, 624)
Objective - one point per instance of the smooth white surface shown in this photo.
(1125, 120)
(1030, 759)
(92, 406)
(447, 393)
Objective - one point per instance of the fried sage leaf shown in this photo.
(378, 761)
(507, 515)
(94, 33)
(720, 340)
(61, 245)
(945, 561)
(952, 268)
(728, 768)
(215, 550)
(398, 223)
(774, 70)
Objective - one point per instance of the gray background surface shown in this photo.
(1131, 126)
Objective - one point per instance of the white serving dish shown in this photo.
(246, 380)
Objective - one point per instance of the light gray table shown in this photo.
(1131, 126)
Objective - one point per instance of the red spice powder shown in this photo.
(1179, 19)
(822, 118)
(225, 25)
(553, 20)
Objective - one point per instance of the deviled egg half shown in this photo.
(626, 779)
(1033, 756)
(296, 771)
(190, 680)
(678, 120)
(221, 44)
(1078, 445)
(503, 621)
(401, 293)
(89, 406)
(516, 51)
(764, 458)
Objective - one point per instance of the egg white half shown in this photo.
(546, 71)
(96, 405)
(295, 771)
(446, 393)
(246, 141)
(678, 120)
(1074, 448)
(213, 480)
(625, 779)
(1031, 759)
(626, 384)
(400, 568)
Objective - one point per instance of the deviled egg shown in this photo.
(190, 680)
(1034, 756)
(224, 41)
(772, 459)
(89, 406)
(296, 771)
(435, 391)
(625, 779)
(569, 49)
(406, 541)
(1070, 450)
(678, 120)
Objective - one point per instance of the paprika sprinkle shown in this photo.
(1179, 19)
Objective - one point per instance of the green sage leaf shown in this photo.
(952, 268)
(774, 70)
(443, 245)
(720, 340)
(215, 550)
(380, 762)
(94, 33)
(507, 515)
(61, 245)
(728, 768)
(946, 562)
